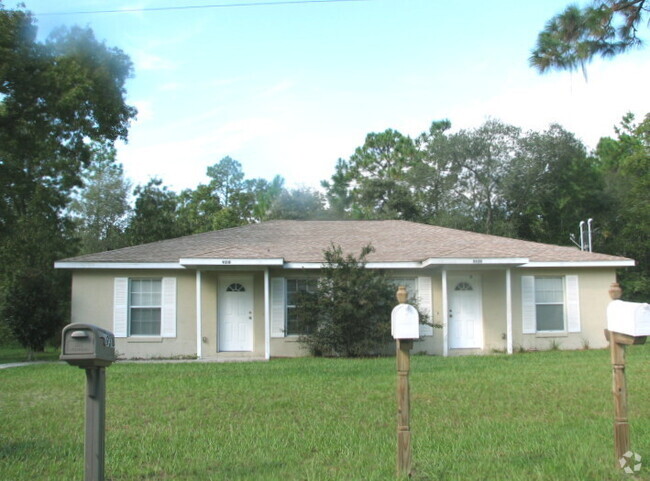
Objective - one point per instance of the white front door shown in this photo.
(465, 312)
(235, 314)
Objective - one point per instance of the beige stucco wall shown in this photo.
(593, 287)
(92, 301)
(594, 284)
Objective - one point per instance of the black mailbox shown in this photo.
(87, 346)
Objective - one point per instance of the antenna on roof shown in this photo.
(585, 244)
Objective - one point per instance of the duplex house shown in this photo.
(230, 294)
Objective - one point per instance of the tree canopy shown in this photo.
(572, 38)
(59, 99)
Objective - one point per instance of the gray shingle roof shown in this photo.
(305, 241)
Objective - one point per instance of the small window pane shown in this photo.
(145, 299)
(550, 317)
(146, 292)
(549, 290)
(235, 287)
(463, 286)
(145, 322)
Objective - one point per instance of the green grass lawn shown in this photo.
(16, 353)
(539, 416)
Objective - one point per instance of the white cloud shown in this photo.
(144, 60)
(145, 110)
(589, 109)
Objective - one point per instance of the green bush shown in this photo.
(348, 314)
(31, 309)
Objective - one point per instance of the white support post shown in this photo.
(199, 315)
(267, 314)
(509, 311)
(445, 315)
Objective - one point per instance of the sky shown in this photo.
(287, 89)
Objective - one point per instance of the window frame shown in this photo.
(131, 307)
(565, 320)
(289, 307)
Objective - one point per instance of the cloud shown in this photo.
(181, 161)
(145, 110)
(278, 88)
(144, 60)
(589, 109)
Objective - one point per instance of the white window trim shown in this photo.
(571, 306)
(122, 308)
(131, 307)
(564, 310)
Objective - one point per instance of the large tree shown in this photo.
(58, 98)
(228, 199)
(625, 162)
(434, 176)
(483, 157)
(551, 185)
(101, 207)
(297, 204)
(154, 215)
(373, 182)
(572, 38)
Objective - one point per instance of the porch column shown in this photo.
(267, 314)
(509, 311)
(445, 315)
(199, 315)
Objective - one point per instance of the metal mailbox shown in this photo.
(631, 318)
(405, 322)
(87, 346)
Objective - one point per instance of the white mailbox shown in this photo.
(405, 322)
(631, 318)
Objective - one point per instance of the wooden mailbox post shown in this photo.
(627, 323)
(404, 327)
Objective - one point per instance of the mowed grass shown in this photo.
(538, 416)
(16, 353)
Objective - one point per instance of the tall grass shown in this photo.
(541, 416)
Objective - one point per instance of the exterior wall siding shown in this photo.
(92, 301)
(594, 284)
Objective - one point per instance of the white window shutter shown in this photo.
(120, 306)
(573, 303)
(278, 309)
(528, 311)
(425, 304)
(168, 308)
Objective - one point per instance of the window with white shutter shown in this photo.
(550, 304)
(144, 307)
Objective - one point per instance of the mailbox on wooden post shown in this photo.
(93, 349)
(405, 326)
(628, 323)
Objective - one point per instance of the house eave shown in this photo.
(117, 265)
(202, 262)
(369, 265)
(618, 263)
(465, 261)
